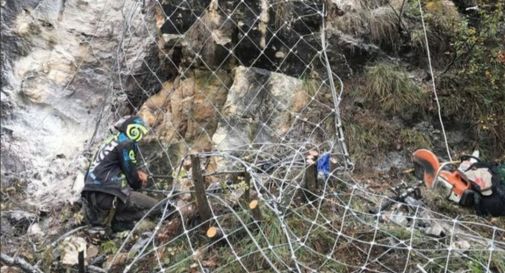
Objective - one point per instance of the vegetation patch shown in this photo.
(474, 90)
(441, 18)
(368, 140)
(390, 88)
(383, 23)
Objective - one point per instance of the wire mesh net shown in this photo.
(246, 88)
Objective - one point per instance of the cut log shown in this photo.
(214, 232)
(311, 181)
(254, 206)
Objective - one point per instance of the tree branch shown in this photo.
(19, 262)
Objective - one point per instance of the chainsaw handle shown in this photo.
(435, 179)
(468, 157)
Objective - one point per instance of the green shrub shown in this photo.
(475, 86)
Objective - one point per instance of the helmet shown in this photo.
(133, 127)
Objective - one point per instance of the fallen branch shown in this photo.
(19, 262)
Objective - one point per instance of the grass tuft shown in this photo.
(383, 23)
(390, 88)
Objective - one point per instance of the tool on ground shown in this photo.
(446, 177)
(402, 192)
(471, 183)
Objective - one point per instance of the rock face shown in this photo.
(260, 108)
(280, 37)
(183, 116)
(283, 37)
(57, 79)
(187, 110)
(213, 111)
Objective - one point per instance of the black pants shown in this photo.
(99, 206)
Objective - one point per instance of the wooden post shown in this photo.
(247, 193)
(80, 259)
(255, 209)
(311, 180)
(201, 196)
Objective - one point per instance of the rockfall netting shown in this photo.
(241, 99)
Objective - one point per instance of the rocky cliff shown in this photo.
(59, 82)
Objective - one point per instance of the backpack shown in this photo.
(500, 170)
(489, 197)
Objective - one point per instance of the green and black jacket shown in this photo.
(114, 169)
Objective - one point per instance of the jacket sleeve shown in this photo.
(128, 158)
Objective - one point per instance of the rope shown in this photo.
(348, 164)
(434, 87)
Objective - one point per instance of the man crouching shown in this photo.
(108, 195)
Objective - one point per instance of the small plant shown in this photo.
(108, 247)
(389, 87)
(374, 21)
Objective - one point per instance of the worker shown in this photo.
(109, 195)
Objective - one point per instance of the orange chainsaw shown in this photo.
(468, 184)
